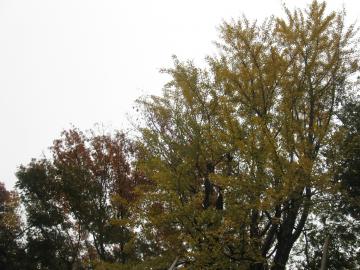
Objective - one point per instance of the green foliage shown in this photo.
(343, 232)
(52, 241)
(337, 214)
(349, 166)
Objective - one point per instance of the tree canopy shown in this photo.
(250, 162)
(237, 149)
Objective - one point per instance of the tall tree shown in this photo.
(236, 149)
(78, 202)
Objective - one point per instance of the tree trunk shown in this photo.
(290, 231)
(172, 267)
(259, 266)
(282, 256)
(325, 251)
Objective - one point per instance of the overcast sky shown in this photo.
(81, 62)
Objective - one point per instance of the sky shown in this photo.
(81, 62)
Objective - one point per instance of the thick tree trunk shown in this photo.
(290, 231)
(282, 255)
(285, 238)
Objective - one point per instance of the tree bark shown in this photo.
(173, 265)
(324, 254)
(289, 232)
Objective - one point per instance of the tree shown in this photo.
(236, 149)
(338, 217)
(78, 202)
(53, 240)
(343, 234)
(348, 171)
(11, 250)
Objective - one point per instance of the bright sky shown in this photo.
(79, 62)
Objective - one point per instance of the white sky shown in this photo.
(80, 62)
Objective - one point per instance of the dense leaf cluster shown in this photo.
(249, 163)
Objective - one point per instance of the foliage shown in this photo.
(236, 149)
(52, 239)
(78, 202)
(248, 163)
(348, 172)
(338, 215)
(11, 250)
